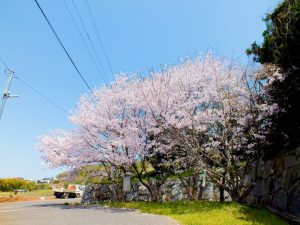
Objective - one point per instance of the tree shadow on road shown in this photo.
(64, 206)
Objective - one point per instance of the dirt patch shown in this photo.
(23, 198)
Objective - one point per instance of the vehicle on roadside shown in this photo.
(19, 191)
(73, 191)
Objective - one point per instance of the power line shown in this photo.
(61, 44)
(99, 36)
(88, 36)
(4, 63)
(82, 38)
(33, 89)
(40, 94)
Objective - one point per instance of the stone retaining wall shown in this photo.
(278, 184)
(172, 190)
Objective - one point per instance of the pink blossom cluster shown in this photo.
(206, 104)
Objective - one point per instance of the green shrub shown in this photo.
(10, 184)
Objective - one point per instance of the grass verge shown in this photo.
(206, 213)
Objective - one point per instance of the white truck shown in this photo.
(73, 191)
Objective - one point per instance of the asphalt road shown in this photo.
(54, 212)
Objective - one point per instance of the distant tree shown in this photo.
(10, 184)
(280, 55)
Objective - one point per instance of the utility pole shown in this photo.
(6, 93)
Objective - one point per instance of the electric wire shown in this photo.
(32, 88)
(4, 63)
(88, 36)
(99, 36)
(40, 94)
(82, 38)
(63, 47)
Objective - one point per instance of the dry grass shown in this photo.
(27, 196)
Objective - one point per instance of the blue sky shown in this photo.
(138, 35)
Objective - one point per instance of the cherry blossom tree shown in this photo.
(108, 130)
(205, 111)
(211, 107)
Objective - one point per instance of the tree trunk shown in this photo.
(222, 196)
(222, 190)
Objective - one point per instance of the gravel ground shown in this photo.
(54, 212)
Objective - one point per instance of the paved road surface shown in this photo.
(54, 212)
